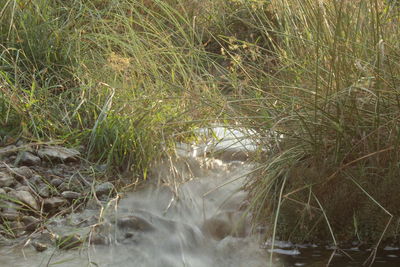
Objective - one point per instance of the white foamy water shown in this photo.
(192, 213)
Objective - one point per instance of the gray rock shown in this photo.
(70, 195)
(8, 151)
(48, 238)
(9, 216)
(44, 191)
(22, 172)
(51, 204)
(104, 189)
(8, 189)
(36, 179)
(30, 223)
(58, 153)
(6, 180)
(134, 223)
(20, 143)
(69, 241)
(93, 204)
(63, 187)
(56, 182)
(29, 159)
(25, 197)
(22, 188)
(2, 191)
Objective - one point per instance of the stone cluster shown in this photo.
(38, 182)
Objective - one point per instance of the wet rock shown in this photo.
(56, 182)
(6, 180)
(98, 239)
(58, 154)
(47, 238)
(53, 203)
(225, 224)
(31, 223)
(40, 247)
(104, 189)
(134, 223)
(70, 195)
(29, 159)
(25, 197)
(69, 241)
(2, 191)
(128, 235)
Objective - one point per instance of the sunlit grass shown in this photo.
(127, 78)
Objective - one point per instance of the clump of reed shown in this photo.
(333, 93)
(118, 77)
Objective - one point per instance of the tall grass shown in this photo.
(333, 94)
(120, 77)
(126, 78)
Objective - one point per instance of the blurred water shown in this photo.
(193, 209)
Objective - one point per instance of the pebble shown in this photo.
(23, 172)
(58, 153)
(134, 223)
(51, 204)
(31, 223)
(29, 159)
(25, 197)
(40, 247)
(44, 191)
(8, 151)
(104, 189)
(56, 182)
(6, 180)
(36, 179)
(63, 187)
(70, 195)
(23, 188)
(9, 215)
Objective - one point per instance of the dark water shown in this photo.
(346, 258)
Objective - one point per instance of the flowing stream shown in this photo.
(191, 213)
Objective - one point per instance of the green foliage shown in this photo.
(127, 78)
(334, 97)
